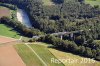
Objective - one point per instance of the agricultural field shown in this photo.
(7, 40)
(9, 57)
(8, 31)
(46, 53)
(5, 30)
(27, 55)
(4, 12)
(93, 2)
(75, 59)
(31, 59)
(43, 52)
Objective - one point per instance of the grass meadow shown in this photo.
(31, 59)
(8, 31)
(93, 2)
(46, 53)
(73, 60)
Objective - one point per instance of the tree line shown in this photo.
(22, 29)
(71, 46)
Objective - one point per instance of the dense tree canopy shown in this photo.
(64, 15)
(58, 17)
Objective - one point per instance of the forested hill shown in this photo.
(64, 15)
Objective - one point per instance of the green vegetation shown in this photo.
(47, 2)
(88, 49)
(31, 59)
(11, 8)
(59, 54)
(16, 25)
(56, 18)
(8, 12)
(69, 15)
(13, 14)
(28, 56)
(64, 16)
(8, 31)
(93, 2)
(44, 53)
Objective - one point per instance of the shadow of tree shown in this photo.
(58, 1)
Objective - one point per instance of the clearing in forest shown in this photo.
(47, 2)
(4, 12)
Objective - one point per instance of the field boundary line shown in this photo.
(10, 42)
(56, 57)
(20, 38)
(36, 54)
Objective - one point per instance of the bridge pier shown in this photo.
(61, 37)
(71, 36)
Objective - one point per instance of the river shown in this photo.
(23, 18)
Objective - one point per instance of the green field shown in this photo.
(93, 2)
(7, 31)
(47, 53)
(75, 59)
(31, 59)
(13, 14)
(43, 52)
(48, 2)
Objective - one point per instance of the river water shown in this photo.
(23, 18)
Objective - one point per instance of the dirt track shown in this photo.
(4, 39)
(9, 57)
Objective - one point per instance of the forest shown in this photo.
(69, 15)
(65, 15)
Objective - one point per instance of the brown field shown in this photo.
(9, 57)
(4, 12)
(4, 39)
